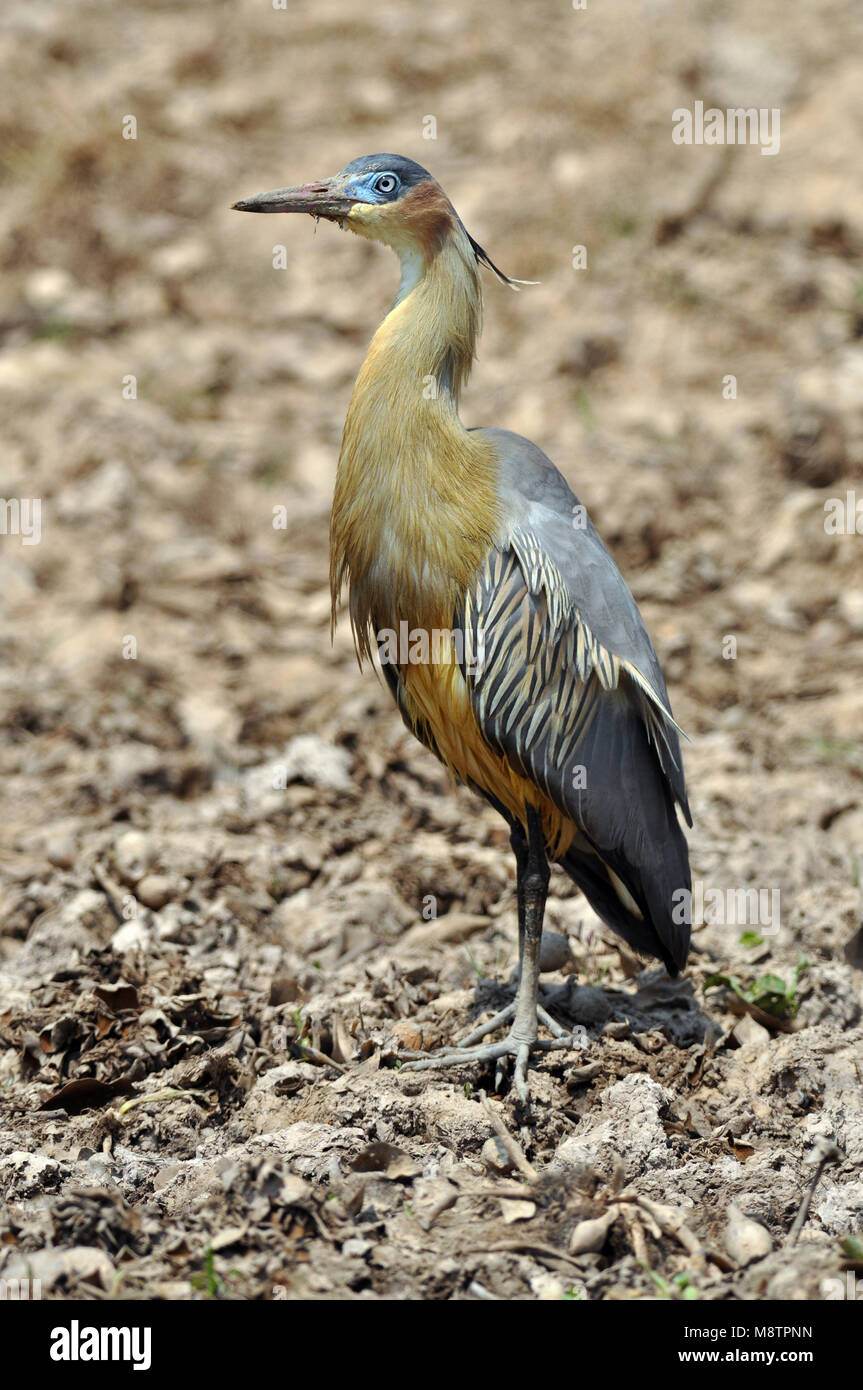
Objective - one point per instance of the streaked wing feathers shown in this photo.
(583, 725)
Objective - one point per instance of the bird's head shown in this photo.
(383, 197)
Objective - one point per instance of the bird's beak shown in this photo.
(327, 198)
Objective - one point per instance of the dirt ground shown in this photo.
(234, 892)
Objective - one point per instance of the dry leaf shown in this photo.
(86, 1093)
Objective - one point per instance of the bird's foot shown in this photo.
(470, 1050)
(498, 1019)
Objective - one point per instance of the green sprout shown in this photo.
(682, 1286)
(208, 1280)
(770, 993)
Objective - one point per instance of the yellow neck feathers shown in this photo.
(414, 509)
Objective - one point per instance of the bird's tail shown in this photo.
(649, 907)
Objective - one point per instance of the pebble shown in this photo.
(62, 852)
(495, 1156)
(554, 951)
(134, 852)
(587, 1004)
(409, 1034)
(746, 1240)
(590, 1236)
(155, 890)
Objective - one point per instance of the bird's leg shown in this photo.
(533, 874)
(519, 848)
(521, 852)
(523, 867)
(532, 886)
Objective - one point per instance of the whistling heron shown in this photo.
(546, 695)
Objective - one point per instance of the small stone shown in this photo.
(746, 1240)
(166, 1175)
(155, 890)
(134, 852)
(408, 1034)
(495, 1156)
(61, 853)
(587, 1004)
(589, 1237)
(554, 952)
(748, 1030)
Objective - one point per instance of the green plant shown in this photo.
(208, 1280)
(682, 1286)
(576, 1293)
(770, 993)
(300, 1025)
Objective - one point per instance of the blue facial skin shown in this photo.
(366, 190)
(382, 178)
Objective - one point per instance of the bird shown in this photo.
(509, 639)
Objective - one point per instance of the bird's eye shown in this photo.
(385, 183)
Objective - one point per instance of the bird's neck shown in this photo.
(415, 501)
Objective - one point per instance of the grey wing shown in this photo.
(566, 683)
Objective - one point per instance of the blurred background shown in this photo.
(163, 388)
